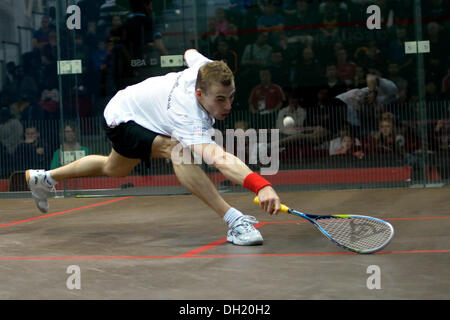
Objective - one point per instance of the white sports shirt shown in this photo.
(166, 105)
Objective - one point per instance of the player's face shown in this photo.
(217, 100)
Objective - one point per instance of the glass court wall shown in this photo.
(329, 94)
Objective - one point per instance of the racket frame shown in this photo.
(312, 218)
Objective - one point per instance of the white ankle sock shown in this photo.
(232, 215)
(50, 181)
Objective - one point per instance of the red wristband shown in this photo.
(254, 182)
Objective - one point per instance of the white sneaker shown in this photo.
(40, 190)
(243, 233)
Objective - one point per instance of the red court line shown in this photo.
(63, 212)
(212, 244)
(219, 255)
(312, 254)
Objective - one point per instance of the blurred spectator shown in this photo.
(111, 8)
(11, 131)
(139, 31)
(345, 144)
(267, 96)
(446, 84)
(332, 13)
(90, 11)
(434, 60)
(327, 112)
(292, 136)
(50, 103)
(234, 39)
(226, 54)
(301, 21)
(72, 150)
(40, 36)
(271, 21)
(359, 80)
(48, 77)
(116, 70)
(385, 140)
(85, 108)
(222, 24)
(32, 152)
(256, 55)
(209, 39)
(360, 102)
(435, 9)
(294, 110)
(370, 57)
(307, 75)
(334, 85)
(345, 69)
(265, 99)
(10, 88)
(26, 108)
(396, 51)
(441, 136)
(92, 35)
(23, 84)
(307, 70)
(393, 74)
(280, 69)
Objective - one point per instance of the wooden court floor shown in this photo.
(174, 247)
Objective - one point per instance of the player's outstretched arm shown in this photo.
(238, 172)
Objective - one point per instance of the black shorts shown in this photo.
(131, 140)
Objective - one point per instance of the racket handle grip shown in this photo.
(283, 208)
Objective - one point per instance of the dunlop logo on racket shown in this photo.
(360, 234)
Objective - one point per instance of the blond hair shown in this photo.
(216, 71)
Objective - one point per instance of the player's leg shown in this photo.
(192, 177)
(41, 182)
(113, 165)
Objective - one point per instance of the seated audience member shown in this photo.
(327, 112)
(265, 99)
(226, 54)
(293, 110)
(50, 103)
(208, 40)
(345, 144)
(385, 140)
(396, 51)
(308, 71)
(307, 130)
(331, 13)
(332, 82)
(41, 36)
(301, 13)
(33, 152)
(25, 109)
(280, 69)
(256, 55)
(271, 21)
(446, 84)
(222, 23)
(345, 69)
(72, 150)
(11, 131)
(440, 135)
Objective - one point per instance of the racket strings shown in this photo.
(357, 233)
